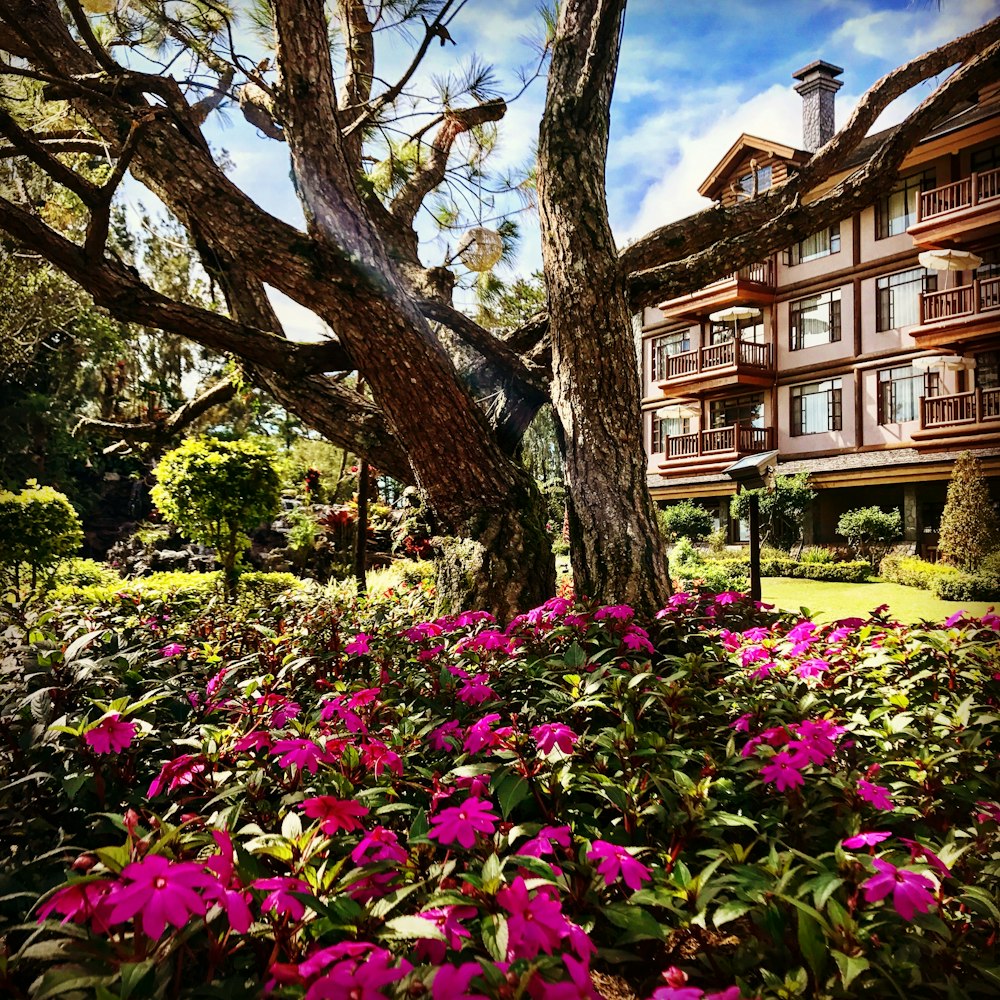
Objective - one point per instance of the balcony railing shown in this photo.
(762, 274)
(737, 439)
(976, 189)
(961, 409)
(739, 354)
(982, 296)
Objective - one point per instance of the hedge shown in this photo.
(912, 571)
(967, 587)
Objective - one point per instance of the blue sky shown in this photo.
(692, 76)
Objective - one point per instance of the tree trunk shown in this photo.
(616, 549)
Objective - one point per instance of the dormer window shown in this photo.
(746, 183)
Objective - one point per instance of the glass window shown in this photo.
(750, 329)
(985, 159)
(663, 347)
(815, 320)
(899, 392)
(898, 297)
(816, 407)
(746, 410)
(987, 370)
(820, 244)
(898, 209)
(667, 427)
(746, 183)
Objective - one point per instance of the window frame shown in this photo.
(918, 182)
(887, 388)
(834, 319)
(654, 351)
(834, 406)
(833, 245)
(885, 300)
(745, 183)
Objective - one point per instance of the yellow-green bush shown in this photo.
(38, 527)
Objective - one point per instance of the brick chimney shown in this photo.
(818, 88)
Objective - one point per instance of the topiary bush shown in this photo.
(970, 528)
(967, 587)
(38, 527)
(216, 492)
(871, 531)
(911, 571)
(685, 519)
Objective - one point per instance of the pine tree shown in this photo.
(970, 527)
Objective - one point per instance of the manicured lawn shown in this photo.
(830, 601)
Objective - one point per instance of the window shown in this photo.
(746, 183)
(746, 410)
(985, 159)
(899, 392)
(815, 320)
(663, 347)
(750, 329)
(820, 244)
(667, 427)
(898, 209)
(816, 407)
(898, 297)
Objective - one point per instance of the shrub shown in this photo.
(912, 571)
(216, 492)
(782, 509)
(967, 587)
(85, 573)
(817, 555)
(38, 527)
(685, 519)
(717, 541)
(871, 531)
(969, 526)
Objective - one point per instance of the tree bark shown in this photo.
(616, 548)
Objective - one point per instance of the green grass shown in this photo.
(829, 601)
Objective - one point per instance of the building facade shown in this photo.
(868, 354)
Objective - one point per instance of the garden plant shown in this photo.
(360, 799)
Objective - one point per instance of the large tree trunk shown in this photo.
(615, 546)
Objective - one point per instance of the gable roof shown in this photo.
(747, 145)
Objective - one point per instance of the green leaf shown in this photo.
(635, 921)
(510, 789)
(411, 927)
(574, 657)
(496, 936)
(812, 944)
(132, 974)
(732, 910)
(850, 966)
(491, 874)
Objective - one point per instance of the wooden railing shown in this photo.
(737, 354)
(737, 439)
(960, 409)
(762, 274)
(975, 189)
(983, 295)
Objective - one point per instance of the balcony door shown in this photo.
(747, 411)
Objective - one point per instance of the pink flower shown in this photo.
(577, 987)
(869, 839)
(812, 668)
(752, 654)
(485, 641)
(335, 707)
(303, 754)
(228, 893)
(380, 759)
(919, 851)
(480, 734)
(988, 811)
(110, 735)
(635, 638)
(446, 921)
(256, 740)
(163, 892)
(728, 597)
(335, 814)
(476, 691)
(451, 983)
(545, 840)
(379, 845)
(784, 769)
(281, 709)
(742, 724)
(616, 612)
(618, 862)
(279, 895)
(358, 646)
(173, 649)
(80, 902)
(535, 923)
(362, 980)
(463, 822)
(912, 893)
(446, 736)
(551, 735)
(876, 795)
(180, 771)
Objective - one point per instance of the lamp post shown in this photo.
(753, 473)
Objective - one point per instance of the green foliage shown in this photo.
(38, 527)
(782, 509)
(911, 571)
(85, 573)
(816, 554)
(970, 528)
(216, 491)
(967, 586)
(691, 568)
(871, 530)
(685, 519)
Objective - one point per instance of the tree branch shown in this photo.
(359, 67)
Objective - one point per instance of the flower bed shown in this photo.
(326, 799)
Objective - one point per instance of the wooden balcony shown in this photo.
(716, 369)
(964, 210)
(712, 450)
(959, 419)
(959, 316)
(752, 285)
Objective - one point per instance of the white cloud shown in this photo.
(298, 322)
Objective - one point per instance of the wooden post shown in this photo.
(754, 546)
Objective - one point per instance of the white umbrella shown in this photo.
(678, 410)
(733, 315)
(949, 260)
(949, 362)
